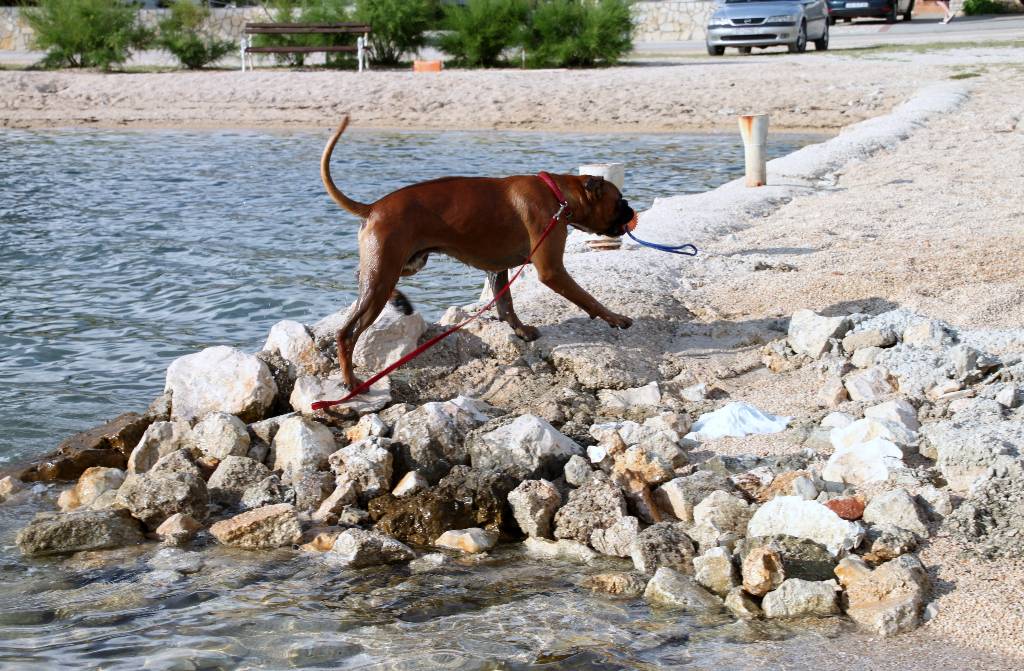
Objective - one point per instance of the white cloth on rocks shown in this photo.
(736, 419)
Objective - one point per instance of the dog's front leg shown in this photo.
(553, 274)
(506, 312)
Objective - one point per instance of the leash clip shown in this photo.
(563, 208)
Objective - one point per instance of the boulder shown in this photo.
(663, 545)
(990, 522)
(741, 605)
(936, 502)
(78, 531)
(626, 585)
(869, 385)
(309, 389)
(153, 497)
(233, 476)
(899, 411)
(159, 440)
(896, 508)
(802, 598)
(888, 600)
(865, 358)
(616, 540)
(725, 511)
(266, 492)
(832, 394)
(93, 482)
(810, 333)
(793, 516)
(869, 428)
(432, 438)
(472, 541)
(678, 497)
(180, 461)
(331, 508)
(598, 504)
(672, 589)
(762, 570)
(301, 445)
(358, 548)
(863, 463)
(884, 542)
(797, 557)
(622, 400)
(577, 470)
(528, 446)
(368, 426)
(542, 548)
(598, 366)
(294, 343)
(367, 464)
(534, 503)
(262, 528)
(220, 379)
(715, 571)
(965, 451)
(178, 529)
(220, 435)
(463, 499)
(390, 338)
(927, 333)
(107, 445)
(411, 483)
(847, 507)
(311, 489)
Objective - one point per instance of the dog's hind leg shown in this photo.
(506, 312)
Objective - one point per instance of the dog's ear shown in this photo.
(594, 185)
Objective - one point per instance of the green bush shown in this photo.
(578, 33)
(182, 34)
(975, 7)
(86, 33)
(398, 26)
(482, 29)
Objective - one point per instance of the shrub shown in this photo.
(86, 33)
(975, 7)
(573, 33)
(482, 29)
(182, 34)
(398, 26)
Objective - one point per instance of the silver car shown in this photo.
(745, 24)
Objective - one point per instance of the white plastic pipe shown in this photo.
(754, 131)
(616, 174)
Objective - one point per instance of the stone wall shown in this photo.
(671, 20)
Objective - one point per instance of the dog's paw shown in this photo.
(617, 321)
(528, 333)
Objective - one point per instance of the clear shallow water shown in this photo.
(120, 251)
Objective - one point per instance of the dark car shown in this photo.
(890, 10)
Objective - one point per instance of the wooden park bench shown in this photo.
(361, 29)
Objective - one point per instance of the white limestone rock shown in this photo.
(810, 333)
(560, 549)
(220, 379)
(897, 508)
(899, 411)
(472, 541)
(715, 571)
(432, 438)
(620, 400)
(723, 510)
(802, 598)
(309, 389)
(411, 483)
(672, 589)
(260, 529)
(358, 548)
(534, 503)
(220, 435)
(528, 445)
(888, 600)
(294, 343)
(616, 540)
(159, 440)
(301, 445)
(869, 385)
(863, 463)
(793, 516)
(368, 464)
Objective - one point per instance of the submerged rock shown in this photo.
(220, 379)
(467, 540)
(9, 486)
(528, 446)
(561, 549)
(152, 498)
(616, 584)
(357, 548)
(671, 588)
(107, 445)
(80, 530)
(263, 528)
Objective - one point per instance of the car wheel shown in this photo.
(800, 45)
(831, 20)
(821, 44)
(715, 51)
(891, 16)
(745, 50)
(907, 15)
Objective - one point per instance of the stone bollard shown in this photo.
(754, 131)
(616, 174)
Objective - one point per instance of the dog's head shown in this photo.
(602, 208)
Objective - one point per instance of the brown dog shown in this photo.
(488, 223)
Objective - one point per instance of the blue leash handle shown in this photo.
(685, 250)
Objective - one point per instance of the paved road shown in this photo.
(868, 33)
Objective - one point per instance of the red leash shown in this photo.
(563, 208)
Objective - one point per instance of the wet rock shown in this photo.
(432, 437)
(726, 512)
(528, 446)
(896, 508)
(793, 516)
(234, 475)
(673, 589)
(762, 570)
(561, 549)
(534, 503)
(174, 559)
(799, 557)
(79, 530)
(107, 445)
(267, 492)
(715, 571)
(178, 529)
(889, 600)
(616, 540)
(663, 545)
(220, 379)
(616, 584)
(802, 598)
(741, 605)
(429, 562)
(9, 486)
(884, 542)
(411, 483)
(322, 542)
(463, 499)
(871, 384)
(577, 470)
(991, 520)
(598, 504)
(311, 489)
(863, 463)
(153, 497)
(262, 528)
(473, 541)
(294, 343)
(628, 399)
(330, 509)
(357, 548)
(93, 482)
(159, 440)
(964, 451)
(847, 507)
(367, 464)
(220, 435)
(678, 497)
(810, 334)
(302, 445)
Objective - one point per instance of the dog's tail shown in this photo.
(355, 207)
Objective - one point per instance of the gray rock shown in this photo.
(626, 585)
(152, 498)
(534, 503)
(810, 333)
(577, 470)
(233, 476)
(741, 605)
(715, 571)
(798, 557)
(160, 439)
(357, 548)
(179, 461)
(368, 464)
(301, 445)
(869, 385)
(991, 520)
(175, 559)
(884, 542)
(220, 435)
(663, 545)
(262, 528)
(432, 438)
(220, 379)
(311, 489)
(79, 530)
(725, 511)
(616, 540)
(528, 446)
(598, 504)
(965, 451)
(267, 492)
(678, 497)
(333, 506)
(888, 600)
(936, 502)
(673, 589)
(896, 508)
(861, 339)
(802, 598)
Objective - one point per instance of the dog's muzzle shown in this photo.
(624, 215)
